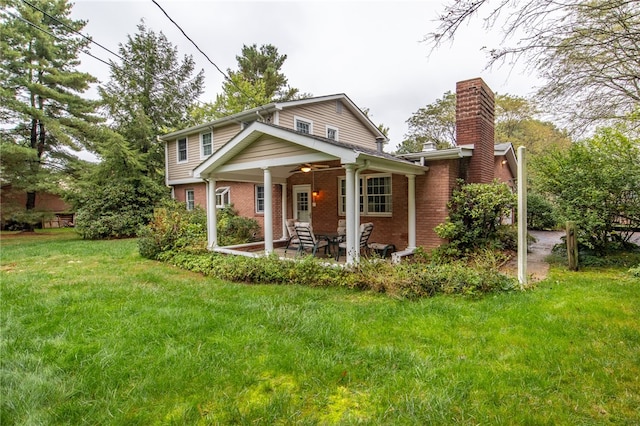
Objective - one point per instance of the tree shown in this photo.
(515, 122)
(149, 93)
(258, 81)
(588, 51)
(434, 123)
(44, 115)
(595, 183)
(114, 198)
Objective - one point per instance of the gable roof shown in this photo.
(258, 112)
(310, 149)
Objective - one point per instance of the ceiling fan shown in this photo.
(307, 167)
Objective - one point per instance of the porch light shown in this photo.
(305, 169)
(315, 193)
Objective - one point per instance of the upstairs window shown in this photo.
(182, 150)
(303, 125)
(206, 142)
(332, 133)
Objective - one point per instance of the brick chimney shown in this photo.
(475, 125)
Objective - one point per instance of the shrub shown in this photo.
(540, 212)
(116, 209)
(406, 280)
(595, 183)
(475, 213)
(173, 228)
(235, 229)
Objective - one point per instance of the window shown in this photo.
(259, 198)
(223, 197)
(206, 143)
(378, 194)
(182, 150)
(332, 133)
(375, 189)
(303, 125)
(190, 199)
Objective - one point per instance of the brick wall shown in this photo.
(475, 125)
(242, 195)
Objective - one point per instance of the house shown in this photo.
(56, 213)
(321, 160)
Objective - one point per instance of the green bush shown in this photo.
(406, 280)
(235, 229)
(173, 228)
(116, 209)
(540, 212)
(595, 183)
(475, 214)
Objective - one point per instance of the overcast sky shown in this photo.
(372, 51)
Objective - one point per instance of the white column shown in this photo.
(284, 210)
(522, 216)
(268, 212)
(351, 196)
(212, 231)
(411, 211)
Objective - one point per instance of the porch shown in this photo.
(270, 156)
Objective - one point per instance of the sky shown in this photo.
(370, 50)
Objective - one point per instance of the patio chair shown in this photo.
(342, 229)
(365, 232)
(293, 241)
(308, 239)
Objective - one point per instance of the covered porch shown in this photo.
(320, 181)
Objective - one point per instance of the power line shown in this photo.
(54, 36)
(206, 56)
(90, 39)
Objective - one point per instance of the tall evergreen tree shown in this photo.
(150, 93)
(257, 81)
(41, 105)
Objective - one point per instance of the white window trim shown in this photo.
(363, 207)
(186, 144)
(256, 199)
(306, 120)
(328, 127)
(186, 198)
(202, 154)
(222, 191)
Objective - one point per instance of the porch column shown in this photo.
(351, 196)
(356, 215)
(268, 212)
(212, 232)
(283, 186)
(411, 211)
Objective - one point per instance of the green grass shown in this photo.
(94, 334)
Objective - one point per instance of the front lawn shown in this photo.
(94, 334)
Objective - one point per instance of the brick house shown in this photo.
(55, 211)
(316, 155)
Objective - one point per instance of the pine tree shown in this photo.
(150, 93)
(40, 88)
